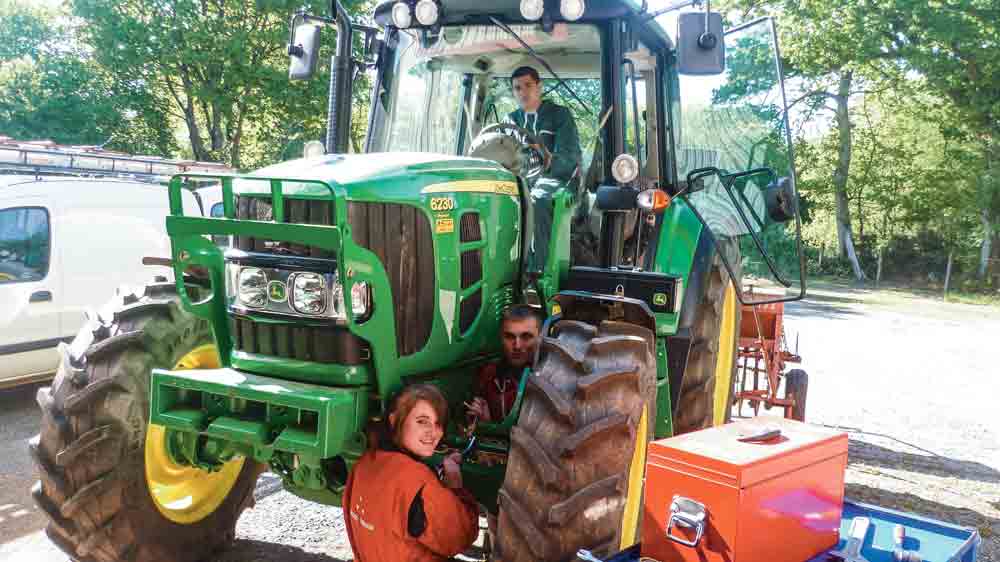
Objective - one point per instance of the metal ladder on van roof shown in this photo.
(46, 158)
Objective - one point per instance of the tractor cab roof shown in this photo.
(459, 12)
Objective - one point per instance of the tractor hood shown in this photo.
(384, 176)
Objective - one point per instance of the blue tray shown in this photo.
(935, 541)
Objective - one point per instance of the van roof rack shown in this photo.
(46, 158)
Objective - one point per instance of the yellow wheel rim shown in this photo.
(184, 494)
(636, 473)
(725, 357)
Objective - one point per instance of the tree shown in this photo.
(219, 67)
(51, 88)
(952, 46)
(24, 29)
(956, 47)
(828, 51)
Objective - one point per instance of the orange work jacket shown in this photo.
(377, 499)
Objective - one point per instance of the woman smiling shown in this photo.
(394, 505)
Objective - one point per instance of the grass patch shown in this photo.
(888, 292)
(973, 298)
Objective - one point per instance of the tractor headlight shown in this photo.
(361, 296)
(532, 10)
(317, 294)
(309, 293)
(572, 10)
(427, 12)
(401, 15)
(252, 287)
(625, 168)
(360, 300)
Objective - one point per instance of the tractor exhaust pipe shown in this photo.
(338, 125)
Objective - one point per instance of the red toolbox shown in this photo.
(710, 497)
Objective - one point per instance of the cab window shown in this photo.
(24, 244)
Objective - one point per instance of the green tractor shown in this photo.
(344, 277)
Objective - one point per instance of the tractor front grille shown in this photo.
(400, 235)
(320, 344)
(469, 310)
(469, 228)
(297, 211)
(472, 267)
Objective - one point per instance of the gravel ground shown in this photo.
(915, 382)
(911, 379)
(19, 419)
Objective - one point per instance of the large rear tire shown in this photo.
(707, 388)
(92, 452)
(575, 469)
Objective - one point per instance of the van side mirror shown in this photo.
(701, 49)
(303, 52)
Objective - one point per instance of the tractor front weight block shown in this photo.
(213, 414)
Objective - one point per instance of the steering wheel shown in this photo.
(534, 157)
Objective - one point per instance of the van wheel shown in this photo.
(109, 489)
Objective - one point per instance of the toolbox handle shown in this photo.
(688, 513)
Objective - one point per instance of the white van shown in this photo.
(65, 245)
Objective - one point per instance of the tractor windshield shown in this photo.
(439, 91)
(733, 149)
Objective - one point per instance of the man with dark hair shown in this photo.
(556, 130)
(496, 388)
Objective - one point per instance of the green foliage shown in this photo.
(217, 68)
(24, 29)
(51, 88)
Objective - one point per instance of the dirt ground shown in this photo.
(914, 381)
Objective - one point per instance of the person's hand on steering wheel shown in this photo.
(536, 158)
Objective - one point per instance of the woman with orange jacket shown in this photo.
(395, 507)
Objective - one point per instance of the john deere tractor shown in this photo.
(344, 277)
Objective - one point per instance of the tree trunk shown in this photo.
(859, 274)
(878, 272)
(236, 143)
(822, 248)
(985, 249)
(840, 175)
(947, 273)
(191, 119)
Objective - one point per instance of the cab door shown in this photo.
(30, 292)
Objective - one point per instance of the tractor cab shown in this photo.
(653, 105)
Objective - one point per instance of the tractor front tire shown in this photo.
(575, 469)
(93, 450)
(706, 393)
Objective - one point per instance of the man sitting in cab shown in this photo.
(555, 127)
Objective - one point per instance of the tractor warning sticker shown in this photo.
(444, 225)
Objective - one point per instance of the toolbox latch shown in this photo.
(687, 513)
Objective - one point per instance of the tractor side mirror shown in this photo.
(781, 200)
(700, 46)
(303, 52)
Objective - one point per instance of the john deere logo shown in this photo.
(660, 299)
(276, 291)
